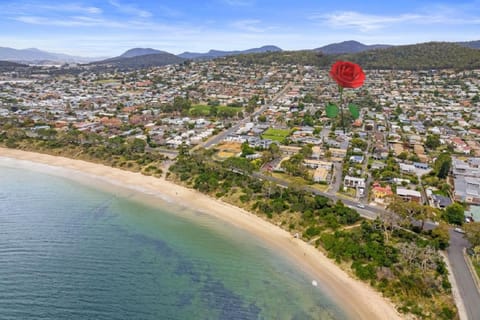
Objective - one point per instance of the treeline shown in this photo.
(432, 55)
(124, 152)
(406, 268)
(232, 178)
(424, 56)
(403, 264)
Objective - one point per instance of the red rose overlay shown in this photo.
(347, 74)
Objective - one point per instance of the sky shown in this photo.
(97, 28)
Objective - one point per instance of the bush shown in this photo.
(312, 231)
(364, 272)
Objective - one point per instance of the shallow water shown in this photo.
(69, 251)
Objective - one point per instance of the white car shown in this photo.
(459, 230)
(361, 206)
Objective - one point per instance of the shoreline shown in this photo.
(357, 299)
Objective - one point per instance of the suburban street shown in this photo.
(369, 212)
(219, 137)
(466, 285)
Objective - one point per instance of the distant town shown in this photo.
(246, 132)
(407, 116)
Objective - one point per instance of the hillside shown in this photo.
(303, 57)
(431, 55)
(349, 47)
(10, 66)
(212, 54)
(470, 44)
(135, 52)
(34, 55)
(142, 61)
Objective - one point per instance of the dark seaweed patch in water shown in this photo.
(185, 299)
(159, 245)
(213, 292)
(229, 304)
(102, 211)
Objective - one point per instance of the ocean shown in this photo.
(69, 250)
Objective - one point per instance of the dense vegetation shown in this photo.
(432, 55)
(402, 264)
(6, 66)
(127, 153)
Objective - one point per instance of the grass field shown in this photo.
(204, 110)
(227, 150)
(276, 134)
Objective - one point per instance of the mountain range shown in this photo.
(212, 54)
(32, 55)
(148, 57)
(353, 50)
(350, 46)
(140, 58)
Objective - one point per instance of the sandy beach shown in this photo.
(358, 299)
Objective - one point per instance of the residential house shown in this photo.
(409, 195)
(356, 159)
(354, 182)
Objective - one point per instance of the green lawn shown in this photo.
(204, 110)
(276, 134)
(107, 81)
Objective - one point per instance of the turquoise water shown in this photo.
(68, 251)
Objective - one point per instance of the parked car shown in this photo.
(459, 230)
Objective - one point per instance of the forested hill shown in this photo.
(431, 55)
(141, 61)
(10, 66)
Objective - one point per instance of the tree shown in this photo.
(137, 145)
(306, 151)
(433, 141)
(441, 236)
(213, 111)
(181, 104)
(454, 214)
(442, 165)
(274, 149)
(403, 155)
(472, 233)
(422, 213)
(246, 149)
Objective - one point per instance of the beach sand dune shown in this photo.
(358, 299)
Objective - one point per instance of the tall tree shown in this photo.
(442, 165)
(454, 214)
(433, 141)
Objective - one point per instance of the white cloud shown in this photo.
(77, 21)
(368, 22)
(129, 9)
(249, 25)
(363, 22)
(37, 8)
(72, 8)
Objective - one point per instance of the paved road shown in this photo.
(466, 286)
(369, 212)
(222, 135)
(336, 178)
